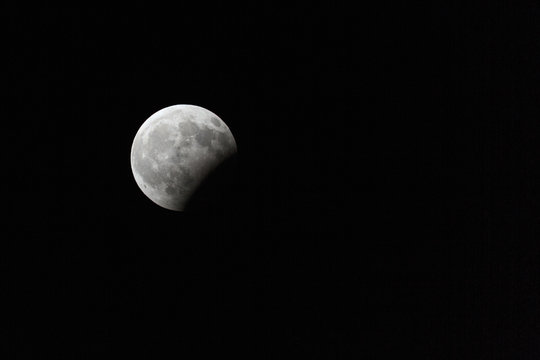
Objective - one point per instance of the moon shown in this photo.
(175, 149)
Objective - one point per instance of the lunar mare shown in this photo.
(175, 149)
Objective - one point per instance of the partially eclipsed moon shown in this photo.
(175, 149)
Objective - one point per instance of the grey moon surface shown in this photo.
(175, 149)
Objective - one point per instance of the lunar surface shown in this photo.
(175, 149)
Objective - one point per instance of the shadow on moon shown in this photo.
(218, 191)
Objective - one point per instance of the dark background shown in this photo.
(386, 200)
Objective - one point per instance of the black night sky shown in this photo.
(386, 199)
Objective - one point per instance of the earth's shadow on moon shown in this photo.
(218, 191)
